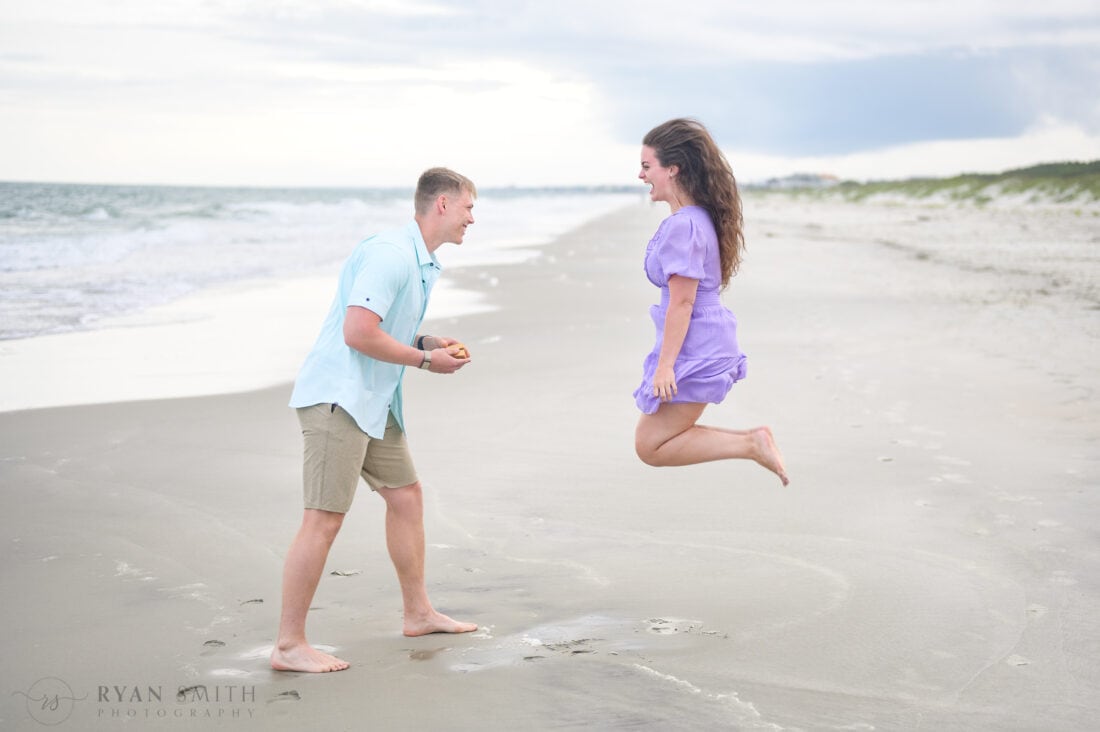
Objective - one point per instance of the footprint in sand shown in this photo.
(427, 654)
(662, 626)
(286, 696)
(956, 478)
(1062, 577)
(590, 635)
(211, 647)
(572, 647)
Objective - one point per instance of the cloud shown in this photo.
(844, 107)
(363, 90)
(1048, 141)
(704, 32)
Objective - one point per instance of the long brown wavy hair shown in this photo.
(707, 177)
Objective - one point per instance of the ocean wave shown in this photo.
(72, 255)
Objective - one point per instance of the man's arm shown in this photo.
(363, 332)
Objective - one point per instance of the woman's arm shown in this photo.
(681, 300)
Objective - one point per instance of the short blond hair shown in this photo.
(435, 182)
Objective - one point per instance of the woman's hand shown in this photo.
(664, 383)
(677, 319)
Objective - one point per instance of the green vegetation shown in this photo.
(1068, 183)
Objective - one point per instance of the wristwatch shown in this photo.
(427, 362)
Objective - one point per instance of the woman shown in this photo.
(691, 258)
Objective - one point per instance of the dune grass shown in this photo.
(1064, 183)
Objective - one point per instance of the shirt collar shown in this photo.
(423, 256)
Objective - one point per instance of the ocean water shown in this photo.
(74, 255)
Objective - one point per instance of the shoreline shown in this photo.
(237, 337)
(225, 340)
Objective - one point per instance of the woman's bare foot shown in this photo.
(436, 622)
(768, 453)
(305, 657)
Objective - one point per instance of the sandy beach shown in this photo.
(929, 372)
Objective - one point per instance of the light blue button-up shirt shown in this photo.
(390, 274)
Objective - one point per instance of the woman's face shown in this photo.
(657, 176)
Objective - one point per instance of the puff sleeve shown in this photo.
(682, 249)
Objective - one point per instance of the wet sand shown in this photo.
(934, 563)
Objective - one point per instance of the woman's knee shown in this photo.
(655, 431)
(647, 451)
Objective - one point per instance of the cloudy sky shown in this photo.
(542, 92)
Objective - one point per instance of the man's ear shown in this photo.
(441, 203)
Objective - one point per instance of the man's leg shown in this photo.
(305, 561)
(405, 541)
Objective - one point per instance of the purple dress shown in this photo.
(710, 361)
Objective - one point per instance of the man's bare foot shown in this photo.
(306, 658)
(769, 455)
(436, 622)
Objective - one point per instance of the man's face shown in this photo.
(458, 214)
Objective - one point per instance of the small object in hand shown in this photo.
(458, 350)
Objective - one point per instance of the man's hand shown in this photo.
(444, 363)
(453, 346)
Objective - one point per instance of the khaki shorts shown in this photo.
(337, 452)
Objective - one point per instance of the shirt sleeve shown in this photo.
(380, 276)
(683, 249)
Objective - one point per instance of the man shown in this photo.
(348, 397)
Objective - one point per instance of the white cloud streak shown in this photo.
(363, 91)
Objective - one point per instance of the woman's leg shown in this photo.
(670, 436)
